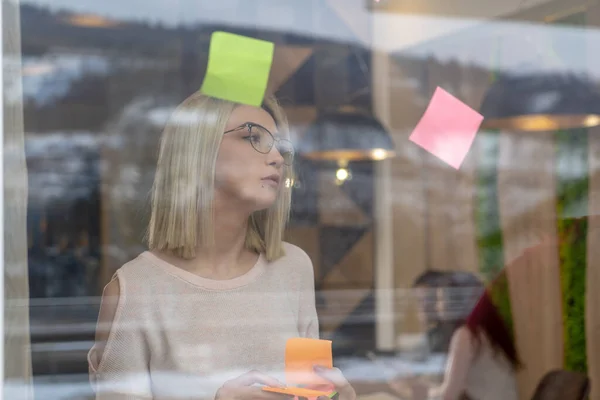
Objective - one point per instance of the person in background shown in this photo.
(445, 298)
(482, 360)
(207, 311)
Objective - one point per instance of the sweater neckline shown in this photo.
(206, 283)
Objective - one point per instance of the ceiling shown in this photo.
(386, 25)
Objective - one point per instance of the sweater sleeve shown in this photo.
(118, 361)
(308, 322)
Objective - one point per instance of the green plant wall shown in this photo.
(572, 278)
(572, 187)
(487, 216)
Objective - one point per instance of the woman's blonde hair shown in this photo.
(183, 191)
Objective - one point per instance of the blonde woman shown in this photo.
(207, 311)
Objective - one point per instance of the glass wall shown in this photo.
(443, 184)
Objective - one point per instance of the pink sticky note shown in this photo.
(447, 129)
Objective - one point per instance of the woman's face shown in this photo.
(245, 177)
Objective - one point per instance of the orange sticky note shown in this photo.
(301, 355)
(297, 391)
(447, 129)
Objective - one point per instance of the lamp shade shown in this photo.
(346, 134)
(543, 102)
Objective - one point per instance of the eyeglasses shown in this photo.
(262, 141)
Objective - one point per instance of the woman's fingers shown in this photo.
(401, 387)
(253, 377)
(259, 394)
(419, 390)
(335, 376)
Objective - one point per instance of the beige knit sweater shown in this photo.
(177, 335)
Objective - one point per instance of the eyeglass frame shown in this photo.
(249, 125)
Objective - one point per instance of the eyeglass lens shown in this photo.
(262, 141)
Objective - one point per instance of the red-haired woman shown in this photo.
(482, 360)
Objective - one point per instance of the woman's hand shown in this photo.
(420, 390)
(337, 379)
(241, 388)
(402, 386)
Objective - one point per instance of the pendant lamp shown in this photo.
(541, 102)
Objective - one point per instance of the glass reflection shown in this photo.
(100, 79)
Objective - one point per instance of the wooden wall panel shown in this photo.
(463, 249)
(438, 229)
(451, 231)
(527, 190)
(386, 307)
(17, 344)
(408, 196)
(335, 207)
(286, 61)
(471, 87)
(592, 304)
(438, 178)
(534, 284)
(307, 238)
(299, 119)
(357, 264)
(433, 204)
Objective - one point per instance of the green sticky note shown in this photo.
(238, 68)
